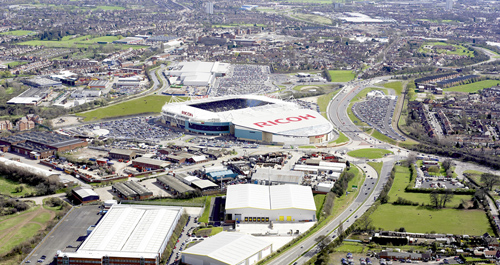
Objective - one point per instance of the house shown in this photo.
(5, 125)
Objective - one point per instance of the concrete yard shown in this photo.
(71, 231)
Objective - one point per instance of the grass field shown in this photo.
(342, 75)
(473, 87)
(209, 231)
(20, 235)
(313, 18)
(78, 42)
(402, 180)
(458, 49)
(351, 247)
(370, 153)
(206, 212)
(377, 166)
(362, 93)
(319, 199)
(341, 139)
(148, 104)
(397, 86)
(340, 204)
(422, 220)
(8, 187)
(382, 137)
(16, 63)
(324, 100)
(18, 32)
(111, 7)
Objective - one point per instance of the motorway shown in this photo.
(337, 113)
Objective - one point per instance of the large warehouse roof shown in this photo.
(275, 175)
(228, 247)
(131, 231)
(270, 197)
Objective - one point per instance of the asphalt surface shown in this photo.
(70, 232)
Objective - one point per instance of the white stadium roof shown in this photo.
(130, 231)
(270, 197)
(228, 247)
(281, 117)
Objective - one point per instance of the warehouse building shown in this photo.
(197, 73)
(131, 190)
(227, 248)
(127, 234)
(149, 164)
(258, 203)
(85, 195)
(43, 143)
(222, 175)
(173, 185)
(270, 176)
(122, 154)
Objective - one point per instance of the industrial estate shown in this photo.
(226, 132)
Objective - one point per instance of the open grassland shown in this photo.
(342, 75)
(341, 139)
(110, 7)
(324, 100)
(77, 42)
(423, 220)
(473, 87)
(352, 247)
(319, 199)
(8, 187)
(382, 137)
(341, 203)
(397, 86)
(377, 166)
(370, 153)
(402, 180)
(362, 94)
(148, 104)
(313, 18)
(18, 32)
(458, 49)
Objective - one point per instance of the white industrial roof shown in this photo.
(270, 197)
(270, 118)
(131, 230)
(271, 174)
(228, 247)
(85, 192)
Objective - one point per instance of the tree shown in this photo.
(446, 197)
(340, 230)
(322, 241)
(447, 164)
(365, 222)
(434, 197)
(490, 180)
(434, 169)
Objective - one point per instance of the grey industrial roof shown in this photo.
(285, 176)
(150, 161)
(203, 184)
(228, 247)
(122, 152)
(174, 184)
(132, 188)
(84, 192)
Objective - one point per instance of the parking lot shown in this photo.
(68, 235)
(244, 79)
(377, 112)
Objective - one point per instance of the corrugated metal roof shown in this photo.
(270, 197)
(275, 175)
(228, 247)
(84, 192)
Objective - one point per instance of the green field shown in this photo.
(234, 25)
(377, 166)
(76, 42)
(8, 187)
(324, 100)
(319, 199)
(458, 49)
(110, 7)
(382, 137)
(422, 220)
(341, 139)
(16, 63)
(402, 180)
(313, 18)
(342, 75)
(20, 236)
(148, 104)
(362, 94)
(397, 86)
(370, 153)
(18, 32)
(351, 247)
(473, 87)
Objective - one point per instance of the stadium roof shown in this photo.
(131, 231)
(280, 117)
(228, 247)
(270, 197)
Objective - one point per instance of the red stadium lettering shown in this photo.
(280, 121)
(293, 119)
(262, 124)
(307, 116)
(273, 123)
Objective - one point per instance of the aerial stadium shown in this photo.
(251, 118)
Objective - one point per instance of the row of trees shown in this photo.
(43, 185)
